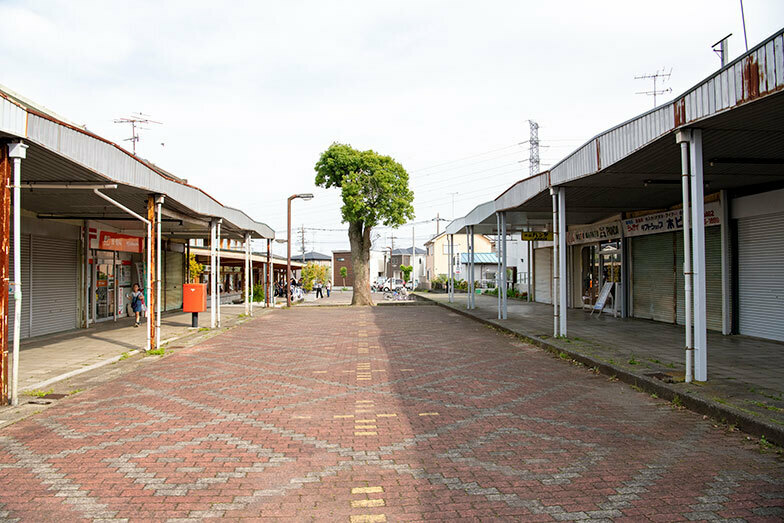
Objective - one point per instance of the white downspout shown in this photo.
(698, 248)
(213, 228)
(17, 151)
(247, 275)
(218, 279)
(683, 137)
(503, 265)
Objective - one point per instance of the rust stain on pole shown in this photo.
(151, 291)
(751, 79)
(5, 250)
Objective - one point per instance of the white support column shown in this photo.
(503, 266)
(498, 261)
(530, 272)
(562, 252)
(683, 138)
(17, 152)
(213, 276)
(698, 265)
(450, 268)
(218, 279)
(556, 321)
(247, 275)
(158, 276)
(726, 292)
(250, 268)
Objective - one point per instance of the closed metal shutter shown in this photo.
(543, 270)
(713, 275)
(173, 278)
(761, 276)
(25, 255)
(55, 288)
(653, 277)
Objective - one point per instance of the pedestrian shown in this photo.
(137, 302)
(319, 291)
(329, 287)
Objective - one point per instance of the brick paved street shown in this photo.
(383, 414)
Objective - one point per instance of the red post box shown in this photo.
(194, 297)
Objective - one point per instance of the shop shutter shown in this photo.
(543, 270)
(761, 276)
(173, 278)
(54, 285)
(712, 283)
(653, 277)
(25, 255)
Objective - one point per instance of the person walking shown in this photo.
(319, 290)
(137, 302)
(329, 287)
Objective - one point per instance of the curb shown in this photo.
(706, 407)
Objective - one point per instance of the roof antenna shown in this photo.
(655, 77)
(136, 120)
(743, 18)
(722, 50)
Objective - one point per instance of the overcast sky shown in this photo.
(250, 93)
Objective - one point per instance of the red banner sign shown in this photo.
(112, 241)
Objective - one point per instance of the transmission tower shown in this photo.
(533, 144)
(137, 120)
(655, 77)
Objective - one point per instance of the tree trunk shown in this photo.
(360, 260)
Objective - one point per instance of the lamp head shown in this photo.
(305, 196)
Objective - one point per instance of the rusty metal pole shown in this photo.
(5, 247)
(151, 274)
(269, 297)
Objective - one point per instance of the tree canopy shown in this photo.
(374, 187)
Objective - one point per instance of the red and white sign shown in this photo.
(112, 241)
(668, 221)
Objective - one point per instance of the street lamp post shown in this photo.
(304, 196)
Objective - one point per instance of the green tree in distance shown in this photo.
(406, 269)
(344, 273)
(375, 191)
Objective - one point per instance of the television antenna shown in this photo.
(137, 121)
(721, 49)
(655, 77)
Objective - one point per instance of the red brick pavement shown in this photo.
(384, 414)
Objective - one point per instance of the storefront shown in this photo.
(656, 279)
(115, 263)
(596, 255)
(760, 264)
(543, 272)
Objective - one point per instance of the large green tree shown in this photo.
(375, 191)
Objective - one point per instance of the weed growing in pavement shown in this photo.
(769, 396)
(124, 356)
(654, 360)
(677, 402)
(765, 444)
(636, 387)
(75, 391)
(611, 361)
(203, 329)
(156, 352)
(633, 361)
(654, 395)
(670, 365)
(613, 378)
(766, 406)
(38, 393)
(563, 355)
(595, 370)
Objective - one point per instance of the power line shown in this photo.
(466, 157)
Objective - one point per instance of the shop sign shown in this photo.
(668, 221)
(536, 236)
(593, 233)
(112, 241)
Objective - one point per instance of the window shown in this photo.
(341, 259)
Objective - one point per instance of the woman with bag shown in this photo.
(137, 302)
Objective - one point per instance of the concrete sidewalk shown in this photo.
(745, 376)
(46, 359)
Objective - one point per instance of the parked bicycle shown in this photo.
(401, 295)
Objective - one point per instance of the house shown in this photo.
(437, 253)
(342, 259)
(485, 268)
(402, 256)
(314, 257)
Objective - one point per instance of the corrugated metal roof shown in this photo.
(480, 258)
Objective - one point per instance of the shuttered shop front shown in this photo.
(25, 266)
(761, 276)
(49, 286)
(653, 277)
(543, 270)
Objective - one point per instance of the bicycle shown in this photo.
(397, 296)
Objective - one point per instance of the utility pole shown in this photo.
(302, 239)
(136, 120)
(655, 77)
(438, 223)
(453, 203)
(533, 148)
(721, 49)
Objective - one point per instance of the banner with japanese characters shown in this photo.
(668, 221)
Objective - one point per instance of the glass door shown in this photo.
(104, 285)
